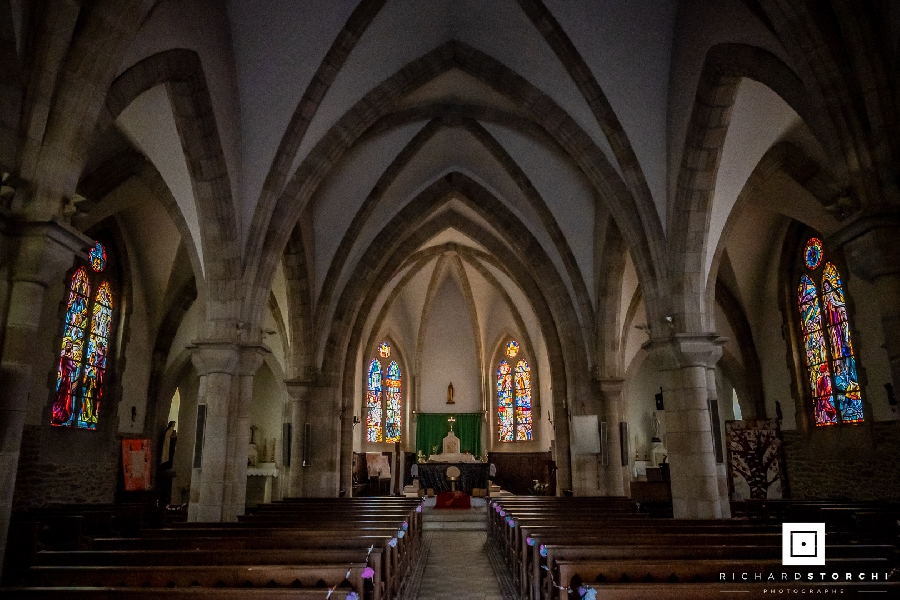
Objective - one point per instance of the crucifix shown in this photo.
(451, 420)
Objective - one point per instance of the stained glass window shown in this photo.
(393, 401)
(84, 348)
(505, 414)
(523, 400)
(384, 399)
(514, 421)
(832, 369)
(374, 432)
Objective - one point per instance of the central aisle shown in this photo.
(458, 564)
(458, 567)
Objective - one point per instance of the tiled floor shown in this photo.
(458, 567)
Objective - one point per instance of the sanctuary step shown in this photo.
(455, 519)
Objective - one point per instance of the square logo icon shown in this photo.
(803, 544)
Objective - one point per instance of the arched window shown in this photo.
(831, 366)
(85, 345)
(514, 421)
(384, 399)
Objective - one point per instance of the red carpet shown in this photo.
(453, 500)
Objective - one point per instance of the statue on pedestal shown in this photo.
(450, 394)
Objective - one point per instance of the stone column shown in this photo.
(612, 481)
(216, 362)
(873, 254)
(299, 391)
(45, 251)
(721, 472)
(686, 359)
(251, 359)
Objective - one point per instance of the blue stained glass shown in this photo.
(374, 432)
(523, 401)
(394, 404)
(505, 414)
(72, 352)
(98, 257)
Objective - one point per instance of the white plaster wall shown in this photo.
(344, 192)
(149, 124)
(758, 119)
(201, 26)
(277, 46)
(448, 354)
(628, 47)
(266, 410)
(642, 383)
(406, 29)
(695, 34)
(567, 193)
(187, 332)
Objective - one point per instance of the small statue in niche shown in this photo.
(450, 394)
(655, 420)
(252, 450)
(167, 452)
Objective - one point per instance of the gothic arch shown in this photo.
(566, 350)
(182, 73)
(270, 228)
(724, 67)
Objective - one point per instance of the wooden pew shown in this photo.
(230, 576)
(196, 593)
(598, 573)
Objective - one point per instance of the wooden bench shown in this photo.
(230, 576)
(196, 593)
(695, 571)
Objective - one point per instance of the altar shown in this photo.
(471, 475)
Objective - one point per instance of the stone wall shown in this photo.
(853, 462)
(46, 477)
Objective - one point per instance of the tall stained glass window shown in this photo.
(384, 399)
(514, 421)
(830, 358)
(85, 345)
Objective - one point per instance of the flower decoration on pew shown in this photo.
(587, 593)
(553, 581)
(367, 573)
(512, 522)
(543, 550)
(405, 525)
(502, 513)
(400, 534)
(529, 540)
(393, 543)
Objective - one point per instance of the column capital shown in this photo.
(215, 357)
(610, 385)
(251, 359)
(683, 350)
(46, 249)
(870, 244)
(298, 387)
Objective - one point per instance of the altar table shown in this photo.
(471, 475)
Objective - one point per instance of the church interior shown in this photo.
(627, 257)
